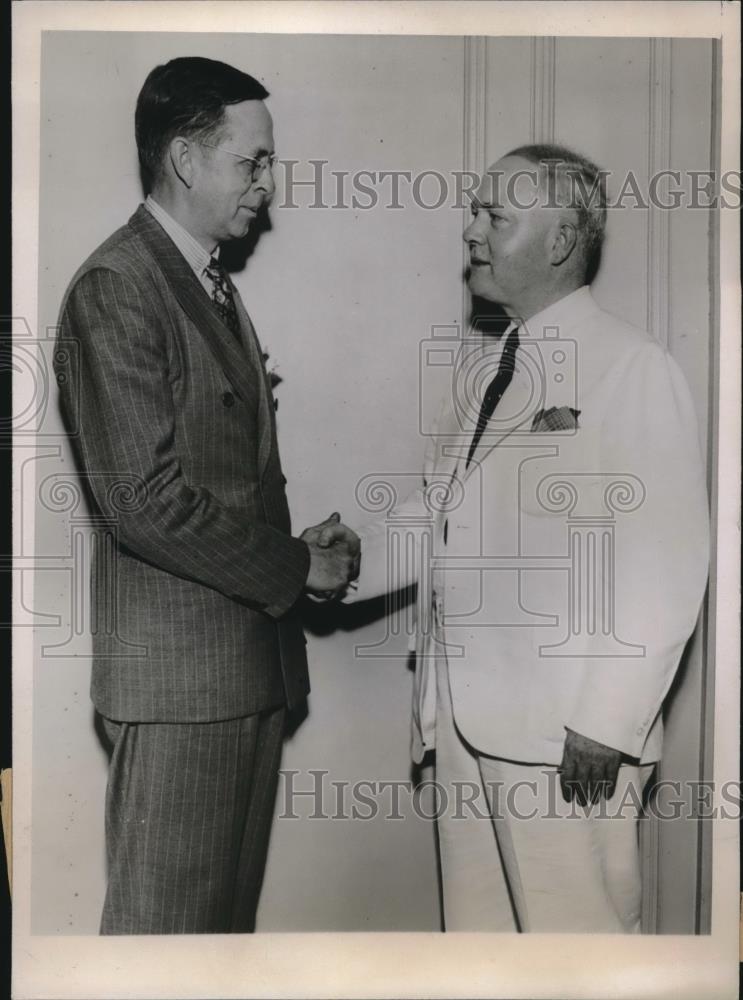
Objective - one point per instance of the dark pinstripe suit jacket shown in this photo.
(176, 441)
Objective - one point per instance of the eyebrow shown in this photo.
(486, 206)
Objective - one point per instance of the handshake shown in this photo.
(335, 557)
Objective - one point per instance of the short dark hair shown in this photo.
(581, 185)
(186, 96)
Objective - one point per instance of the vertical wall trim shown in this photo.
(543, 89)
(658, 287)
(650, 864)
(474, 150)
(706, 748)
(659, 158)
(475, 94)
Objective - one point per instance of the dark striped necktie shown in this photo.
(494, 392)
(222, 296)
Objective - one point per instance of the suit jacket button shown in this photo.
(228, 399)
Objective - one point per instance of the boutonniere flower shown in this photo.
(273, 372)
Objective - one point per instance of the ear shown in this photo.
(564, 242)
(180, 155)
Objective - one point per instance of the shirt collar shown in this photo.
(196, 256)
(563, 314)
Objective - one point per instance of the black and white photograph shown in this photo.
(376, 435)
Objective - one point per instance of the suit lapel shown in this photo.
(265, 411)
(194, 301)
(517, 404)
(517, 398)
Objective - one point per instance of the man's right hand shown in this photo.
(334, 557)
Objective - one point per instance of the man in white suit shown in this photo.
(569, 562)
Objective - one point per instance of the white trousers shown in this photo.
(515, 856)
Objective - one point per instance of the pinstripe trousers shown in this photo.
(188, 816)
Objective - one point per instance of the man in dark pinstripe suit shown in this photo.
(174, 414)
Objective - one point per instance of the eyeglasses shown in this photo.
(258, 164)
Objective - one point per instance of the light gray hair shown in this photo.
(578, 184)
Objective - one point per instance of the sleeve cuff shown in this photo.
(294, 571)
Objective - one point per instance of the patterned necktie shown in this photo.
(222, 296)
(495, 390)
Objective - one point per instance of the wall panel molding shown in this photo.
(656, 321)
(475, 101)
(543, 53)
(706, 749)
(659, 158)
(474, 150)
(650, 863)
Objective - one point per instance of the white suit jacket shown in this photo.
(567, 567)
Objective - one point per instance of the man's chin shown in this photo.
(239, 230)
(480, 286)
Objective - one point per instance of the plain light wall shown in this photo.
(341, 299)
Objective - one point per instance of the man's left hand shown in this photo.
(588, 770)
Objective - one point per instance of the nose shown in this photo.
(473, 233)
(265, 181)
